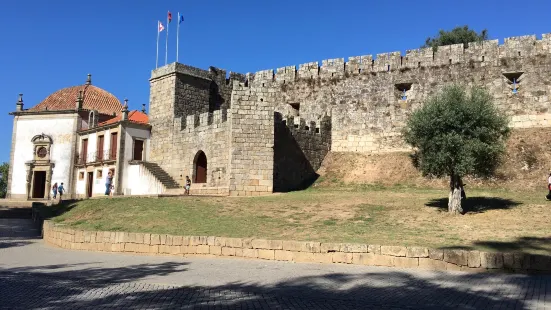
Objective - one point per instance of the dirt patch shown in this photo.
(526, 165)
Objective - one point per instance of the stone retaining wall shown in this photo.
(314, 252)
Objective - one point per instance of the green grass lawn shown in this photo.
(496, 219)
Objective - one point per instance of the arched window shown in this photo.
(200, 167)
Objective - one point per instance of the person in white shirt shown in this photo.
(549, 187)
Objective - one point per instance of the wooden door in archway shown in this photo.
(200, 168)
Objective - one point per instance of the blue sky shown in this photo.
(48, 45)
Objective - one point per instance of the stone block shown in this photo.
(247, 243)
(234, 242)
(169, 239)
(405, 262)
(177, 240)
(303, 257)
(198, 240)
(203, 249)
(540, 262)
(374, 248)
(143, 248)
(239, 252)
(267, 244)
(211, 240)
(266, 254)
(343, 258)
(189, 249)
(139, 238)
(522, 260)
(164, 249)
(473, 259)
(146, 238)
(457, 257)
(227, 251)
(129, 247)
(330, 247)
(175, 249)
(163, 239)
(250, 253)
(283, 255)
(354, 248)
(215, 250)
(431, 264)
(491, 260)
(291, 245)
(415, 251)
(324, 258)
(393, 250)
(186, 240)
(436, 254)
(131, 238)
(155, 239)
(154, 249)
(453, 267)
(117, 247)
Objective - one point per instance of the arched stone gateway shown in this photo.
(200, 168)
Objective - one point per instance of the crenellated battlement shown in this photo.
(488, 52)
(201, 121)
(299, 124)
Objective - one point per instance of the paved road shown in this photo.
(37, 276)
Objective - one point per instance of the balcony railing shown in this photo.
(95, 157)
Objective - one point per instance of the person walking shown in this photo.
(54, 190)
(108, 183)
(61, 190)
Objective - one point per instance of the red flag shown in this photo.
(169, 17)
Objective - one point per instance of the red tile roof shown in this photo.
(134, 116)
(94, 98)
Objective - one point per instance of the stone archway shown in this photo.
(200, 168)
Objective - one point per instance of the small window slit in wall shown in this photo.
(307, 128)
(317, 130)
(482, 57)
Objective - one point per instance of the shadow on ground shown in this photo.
(523, 245)
(48, 287)
(476, 204)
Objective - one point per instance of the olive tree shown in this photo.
(455, 36)
(457, 132)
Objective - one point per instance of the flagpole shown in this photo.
(177, 36)
(157, 57)
(166, 48)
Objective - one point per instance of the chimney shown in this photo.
(89, 79)
(125, 110)
(78, 102)
(19, 104)
(143, 108)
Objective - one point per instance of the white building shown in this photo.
(76, 136)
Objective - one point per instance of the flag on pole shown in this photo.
(160, 28)
(180, 20)
(168, 19)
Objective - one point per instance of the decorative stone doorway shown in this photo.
(200, 165)
(39, 184)
(39, 170)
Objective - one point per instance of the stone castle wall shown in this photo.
(188, 114)
(252, 141)
(364, 94)
(299, 149)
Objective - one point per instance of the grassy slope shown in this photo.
(369, 214)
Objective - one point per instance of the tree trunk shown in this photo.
(454, 200)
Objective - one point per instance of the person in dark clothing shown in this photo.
(108, 183)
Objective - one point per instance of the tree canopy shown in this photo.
(4, 170)
(455, 36)
(457, 132)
